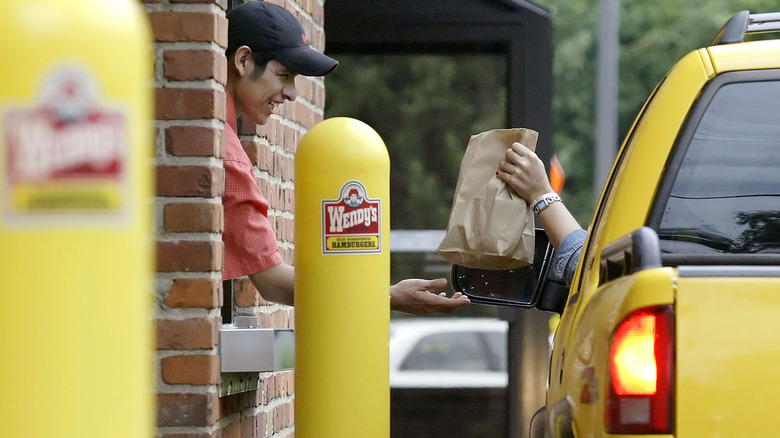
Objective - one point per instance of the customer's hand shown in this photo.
(524, 171)
(414, 296)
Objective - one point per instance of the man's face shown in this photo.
(258, 95)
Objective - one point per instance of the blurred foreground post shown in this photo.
(76, 239)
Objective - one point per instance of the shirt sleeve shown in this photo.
(568, 255)
(250, 241)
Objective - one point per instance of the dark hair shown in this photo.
(261, 59)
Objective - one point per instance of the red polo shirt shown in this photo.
(250, 241)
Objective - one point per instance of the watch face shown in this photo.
(545, 202)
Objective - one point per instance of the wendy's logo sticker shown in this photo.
(352, 223)
(65, 153)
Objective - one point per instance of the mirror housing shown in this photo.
(527, 287)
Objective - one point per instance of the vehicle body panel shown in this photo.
(727, 350)
(725, 317)
(627, 198)
(745, 56)
(586, 369)
(670, 327)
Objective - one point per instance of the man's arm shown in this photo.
(410, 296)
(276, 284)
(413, 296)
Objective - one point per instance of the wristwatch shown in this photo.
(544, 201)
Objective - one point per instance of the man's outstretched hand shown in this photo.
(414, 296)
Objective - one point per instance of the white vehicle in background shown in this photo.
(448, 353)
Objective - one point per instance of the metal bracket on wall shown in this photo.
(244, 347)
(245, 350)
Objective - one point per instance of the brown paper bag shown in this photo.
(490, 226)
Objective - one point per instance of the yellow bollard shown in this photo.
(342, 279)
(76, 189)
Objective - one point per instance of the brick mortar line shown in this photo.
(171, 353)
(198, 123)
(161, 201)
(266, 310)
(185, 389)
(176, 160)
(166, 6)
(165, 236)
(284, 433)
(165, 313)
(205, 84)
(163, 431)
(166, 278)
(161, 46)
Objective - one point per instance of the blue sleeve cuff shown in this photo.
(568, 255)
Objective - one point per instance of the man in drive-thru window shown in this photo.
(267, 49)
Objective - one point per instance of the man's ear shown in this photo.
(243, 61)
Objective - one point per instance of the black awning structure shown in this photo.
(520, 30)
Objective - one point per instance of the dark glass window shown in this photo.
(726, 194)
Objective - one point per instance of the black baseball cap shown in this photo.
(269, 27)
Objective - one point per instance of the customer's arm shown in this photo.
(524, 172)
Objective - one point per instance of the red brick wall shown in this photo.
(189, 77)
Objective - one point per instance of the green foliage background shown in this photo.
(425, 107)
(653, 36)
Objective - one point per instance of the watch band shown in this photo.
(544, 201)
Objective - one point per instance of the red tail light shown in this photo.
(639, 393)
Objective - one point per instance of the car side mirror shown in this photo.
(528, 287)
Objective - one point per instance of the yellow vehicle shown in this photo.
(671, 326)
